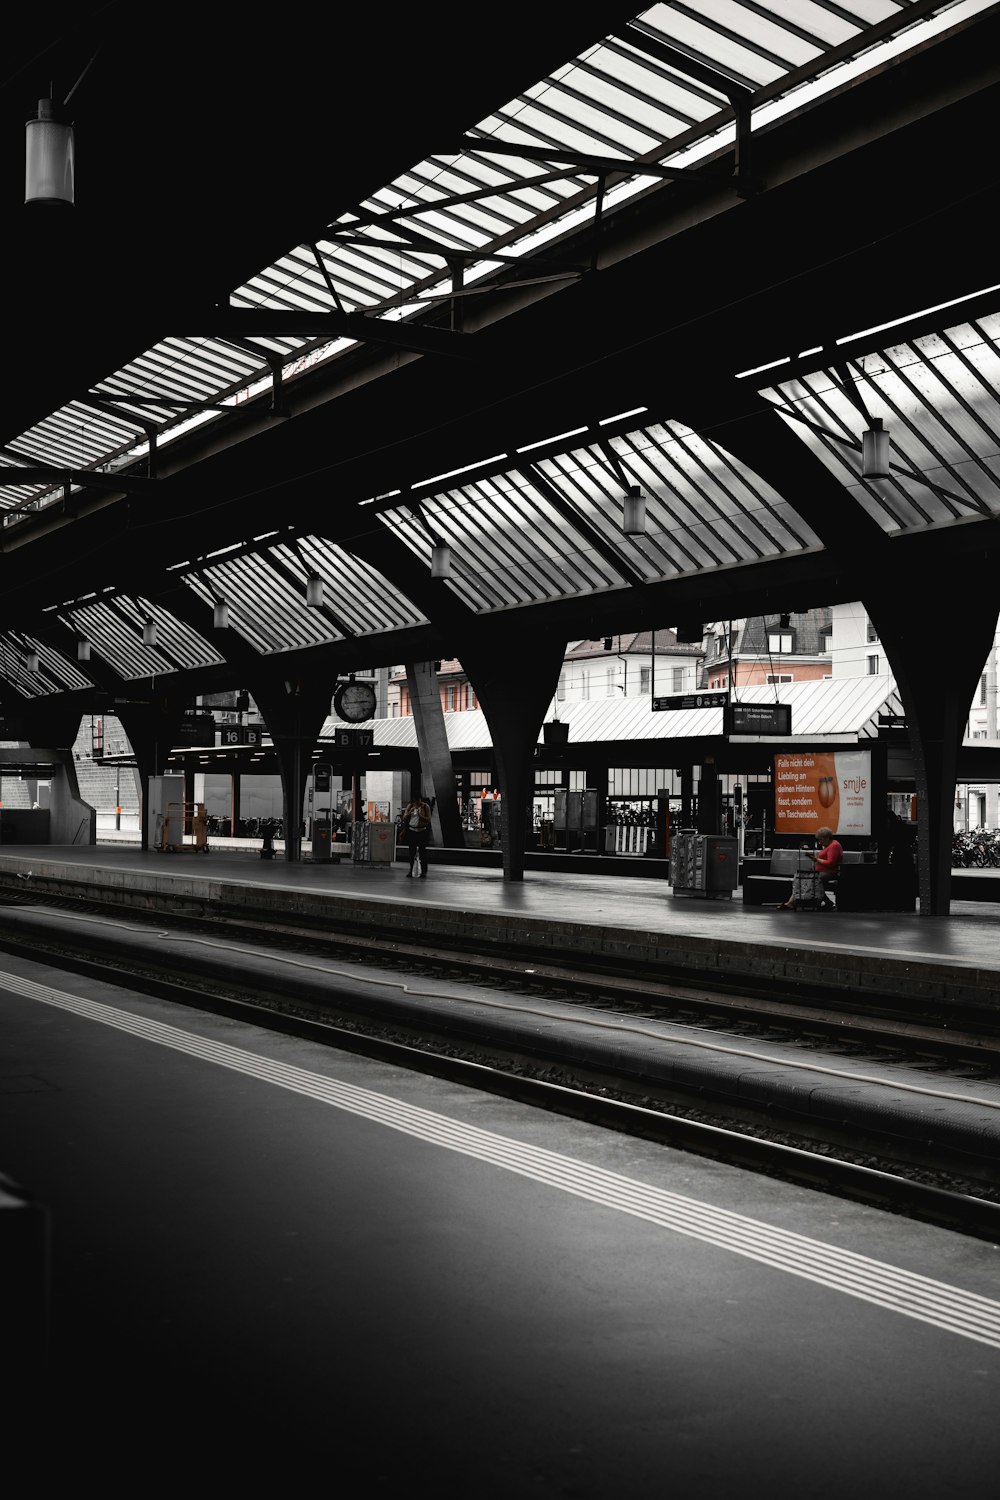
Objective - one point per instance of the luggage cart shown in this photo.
(180, 819)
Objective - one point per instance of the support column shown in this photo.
(687, 795)
(436, 769)
(152, 729)
(708, 799)
(514, 699)
(294, 713)
(936, 683)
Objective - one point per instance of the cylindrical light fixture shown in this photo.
(440, 560)
(149, 633)
(875, 451)
(314, 591)
(634, 523)
(31, 661)
(83, 650)
(220, 615)
(48, 161)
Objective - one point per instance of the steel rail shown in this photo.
(964, 1212)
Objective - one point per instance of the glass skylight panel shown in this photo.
(509, 547)
(184, 370)
(116, 634)
(74, 437)
(12, 668)
(268, 608)
(360, 594)
(833, 433)
(746, 61)
(13, 496)
(942, 417)
(616, 100)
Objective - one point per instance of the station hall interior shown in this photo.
(628, 322)
(587, 419)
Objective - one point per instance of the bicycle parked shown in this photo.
(975, 848)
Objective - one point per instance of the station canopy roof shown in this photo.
(597, 286)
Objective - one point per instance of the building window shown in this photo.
(584, 684)
(780, 677)
(677, 679)
(451, 698)
(780, 643)
(982, 689)
(645, 679)
(609, 691)
(873, 665)
(871, 634)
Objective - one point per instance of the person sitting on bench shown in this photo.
(828, 859)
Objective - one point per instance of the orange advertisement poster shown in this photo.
(824, 788)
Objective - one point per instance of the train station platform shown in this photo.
(941, 963)
(894, 974)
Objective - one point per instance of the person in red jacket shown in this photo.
(827, 860)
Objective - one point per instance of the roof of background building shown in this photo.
(835, 707)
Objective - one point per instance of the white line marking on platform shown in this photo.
(934, 1302)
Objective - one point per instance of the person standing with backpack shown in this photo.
(416, 820)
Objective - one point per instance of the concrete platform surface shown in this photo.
(560, 913)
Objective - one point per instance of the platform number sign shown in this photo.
(241, 734)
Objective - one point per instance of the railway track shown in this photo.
(931, 1185)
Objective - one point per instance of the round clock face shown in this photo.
(355, 701)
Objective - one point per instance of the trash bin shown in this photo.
(322, 839)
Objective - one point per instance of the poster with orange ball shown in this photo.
(830, 788)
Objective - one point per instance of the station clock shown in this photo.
(354, 701)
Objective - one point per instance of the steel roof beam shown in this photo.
(124, 483)
(239, 322)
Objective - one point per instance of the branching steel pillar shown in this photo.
(153, 729)
(936, 683)
(294, 713)
(514, 688)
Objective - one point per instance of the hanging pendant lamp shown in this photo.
(220, 615)
(634, 521)
(83, 650)
(49, 158)
(875, 451)
(149, 633)
(31, 661)
(440, 560)
(314, 591)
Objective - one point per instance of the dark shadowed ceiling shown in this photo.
(216, 152)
